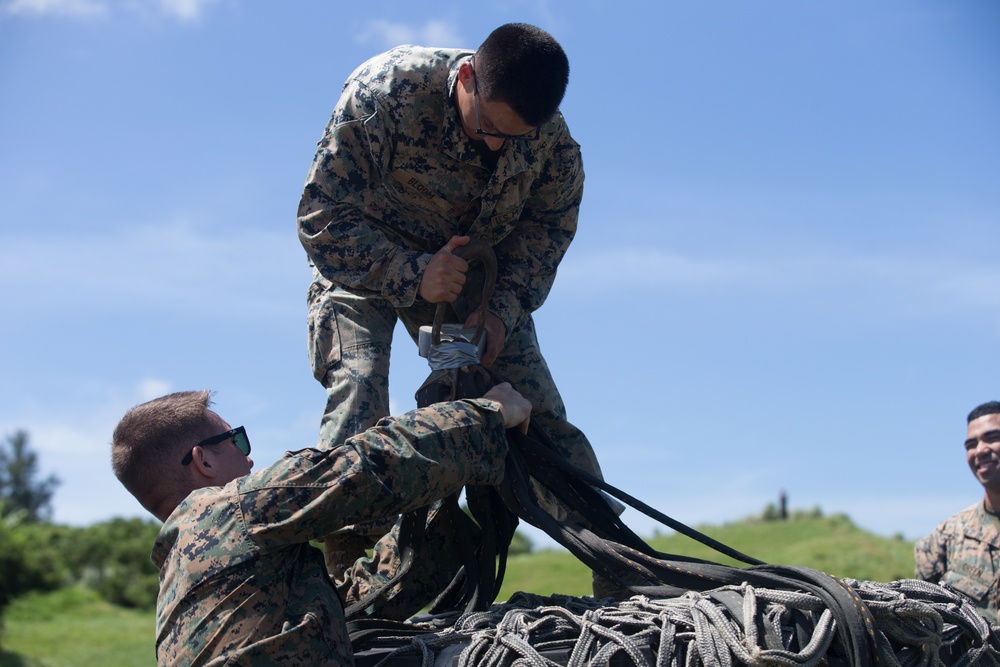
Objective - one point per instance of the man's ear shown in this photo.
(465, 75)
(201, 459)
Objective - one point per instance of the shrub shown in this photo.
(113, 558)
(20, 571)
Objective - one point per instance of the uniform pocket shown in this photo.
(966, 585)
(347, 329)
(325, 348)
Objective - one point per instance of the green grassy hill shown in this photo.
(74, 628)
(831, 544)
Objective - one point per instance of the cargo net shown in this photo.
(919, 624)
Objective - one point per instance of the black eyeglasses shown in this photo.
(499, 135)
(238, 435)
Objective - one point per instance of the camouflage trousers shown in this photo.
(350, 338)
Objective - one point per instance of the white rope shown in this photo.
(926, 625)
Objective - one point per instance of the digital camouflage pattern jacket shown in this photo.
(963, 552)
(395, 176)
(240, 583)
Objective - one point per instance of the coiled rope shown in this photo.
(924, 625)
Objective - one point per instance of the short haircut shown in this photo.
(525, 67)
(990, 408)
(149, 443)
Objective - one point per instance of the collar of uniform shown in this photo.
(984, 527)
(515, 155)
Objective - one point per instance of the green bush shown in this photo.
(520, 544)
(20, 572)
(12, 565)
(23, 567)
(113, 559)
(44, 544)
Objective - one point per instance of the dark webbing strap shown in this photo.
(605, 543)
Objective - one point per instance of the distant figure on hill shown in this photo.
(964, 551)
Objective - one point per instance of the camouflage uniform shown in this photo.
(394, 178)
(964, 553)
(240, 583)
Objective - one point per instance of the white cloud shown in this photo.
(395, 406)
(437, 33)
(185, 10)
(628, 269)
(150, 388)
(77, 9)
(171, 265)
(182, 10)
(631, 270)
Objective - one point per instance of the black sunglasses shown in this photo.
(499, 135)
(238, 435)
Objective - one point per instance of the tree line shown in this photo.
(111, 557)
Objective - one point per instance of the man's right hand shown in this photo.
(516, 409)
(445, 273)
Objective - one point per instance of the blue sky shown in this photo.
(785, 274)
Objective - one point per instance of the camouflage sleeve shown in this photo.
(352, 157)
(931, 556)
(529, 256)
(399, 465)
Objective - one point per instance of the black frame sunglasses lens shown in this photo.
(238, 435)
(242, 440)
